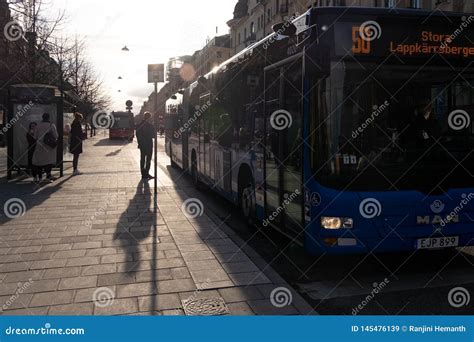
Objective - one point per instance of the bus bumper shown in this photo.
(393, 243)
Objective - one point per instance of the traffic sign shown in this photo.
(156, 73)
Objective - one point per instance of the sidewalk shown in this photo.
(87, 246)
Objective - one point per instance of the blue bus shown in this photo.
(348, 129)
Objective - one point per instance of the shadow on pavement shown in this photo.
(108, 142)
(113, 154)
(31, 194)
(135, 225)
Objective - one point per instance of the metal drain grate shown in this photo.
(205, 307)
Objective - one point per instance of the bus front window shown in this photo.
(394, 128)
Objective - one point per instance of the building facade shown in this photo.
(216, 51)
(253, 19)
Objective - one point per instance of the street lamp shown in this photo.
(125, 48)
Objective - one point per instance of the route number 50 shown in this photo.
(359, 45)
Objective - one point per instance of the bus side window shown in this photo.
(246, 127)
(224, 130)
(195, 120)
(259, 122)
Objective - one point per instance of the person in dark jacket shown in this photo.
(75, 144)
(146, 132)
(30, 137)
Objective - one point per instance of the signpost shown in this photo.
(156, 73)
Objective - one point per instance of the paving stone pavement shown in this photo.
(87, 245)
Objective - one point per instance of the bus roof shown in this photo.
(383, 11)
(338, 10)
(249, 49)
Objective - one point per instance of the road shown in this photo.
(413, 283)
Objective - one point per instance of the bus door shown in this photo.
(284, 145)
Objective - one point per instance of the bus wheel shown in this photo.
(248, 205)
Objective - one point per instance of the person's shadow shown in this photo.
(135, 225)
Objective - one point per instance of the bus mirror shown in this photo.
(317, 61)
(284, 29)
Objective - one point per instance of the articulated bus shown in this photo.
(350, 130)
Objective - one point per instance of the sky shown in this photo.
(153, 30)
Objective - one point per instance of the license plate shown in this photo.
(435, 243)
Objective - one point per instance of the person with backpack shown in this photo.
(44, 158)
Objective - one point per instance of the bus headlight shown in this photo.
(335, 223)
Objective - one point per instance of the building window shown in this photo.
(277, 5)
(339, 2)
(390, 3)
(269, 15)
(415, 3)
(245, 33)
(239, 38)
(322, 3)
(252, 28)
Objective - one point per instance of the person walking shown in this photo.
(146, 132)
(31, 146)
(45, 155)
(75, 143)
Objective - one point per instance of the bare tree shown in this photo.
(58, 60)
(39, 30)
(78, 73)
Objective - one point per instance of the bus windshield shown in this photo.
(123, 121)
(381, 128)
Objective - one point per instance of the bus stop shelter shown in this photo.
(27, 104)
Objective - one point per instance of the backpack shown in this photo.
(49, 139)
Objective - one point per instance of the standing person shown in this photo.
(146, 132)
(44, 158)
(75, 143)
(31, 146)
